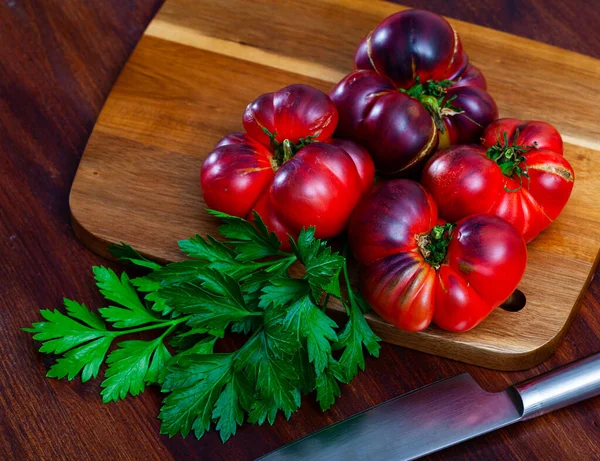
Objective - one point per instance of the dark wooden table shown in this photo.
(58, 60)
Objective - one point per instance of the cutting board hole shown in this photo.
(515, 303)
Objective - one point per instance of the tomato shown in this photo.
(415, 270)
(413, 90)
(287, 167)
(519, 173)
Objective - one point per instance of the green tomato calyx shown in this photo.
(434, 244)
(286, 149)
(511, 159)
(433, 96)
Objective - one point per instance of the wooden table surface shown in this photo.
(58, 60)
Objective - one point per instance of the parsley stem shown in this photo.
(168, 330)
(285, 255)
(162, 324)
(347, 279)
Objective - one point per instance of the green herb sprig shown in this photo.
(241, 284)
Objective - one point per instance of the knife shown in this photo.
(442, 414)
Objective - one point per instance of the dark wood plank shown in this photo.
(560, 23)
(58, 61)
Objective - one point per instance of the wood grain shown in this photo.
(541, 73)
(188, 82)
(58, 61)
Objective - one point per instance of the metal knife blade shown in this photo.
(443, 414)
(412, 425)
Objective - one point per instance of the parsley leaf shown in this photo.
(322, 265)
(124, 252)
(251, 241)
(204, 346)
(61, 332)
(215, 302)
(209, 249)
(305, 371)
(327, 389)
(85, 359)
(133, 365)
(257, 280)
(152, 298)
(247, 325)
(194, 385)
(157, 369)
(242, 284)
(282, 291)
(120, 290)
(263, 410)
(309, 322)
(266, 360)
(81, 334)
(212, 254)
(355, 335)
(230, 407)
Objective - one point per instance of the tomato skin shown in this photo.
(463, 180)
(362, 161)
(385, 221)
(234, 175)
(479, 110)
(294, 112)
(434, 48)
(485, 260)
(319, 185)
(401, 289)
(377, 116)
(545, 135)
(489, 254)
(410, 47)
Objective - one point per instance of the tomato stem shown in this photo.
(510, 157)
(286, 149)
(432, 94)
(434, 245)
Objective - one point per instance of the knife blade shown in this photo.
(442, 414)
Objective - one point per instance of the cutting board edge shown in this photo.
(535, 356)
(96, 243)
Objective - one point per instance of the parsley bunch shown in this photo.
(241, 284)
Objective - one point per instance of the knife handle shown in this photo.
(559, 388)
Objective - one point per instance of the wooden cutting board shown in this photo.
(200, 62)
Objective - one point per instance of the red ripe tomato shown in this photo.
(519, 174)
(416, 271)
(413, 90)
(287, 167)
